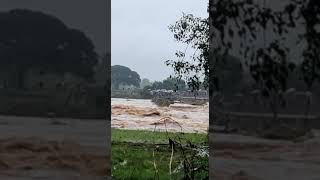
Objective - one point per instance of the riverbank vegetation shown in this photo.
(159, 155)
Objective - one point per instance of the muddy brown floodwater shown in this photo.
(145, 115)
(232, 156)
(238, 157)
(53, 149)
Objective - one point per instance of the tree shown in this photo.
(34, 39)
(145, 82)
(268, 64)
(194, 32)
(145, 92)
(157, 85)
(172, 83)
(124, 75)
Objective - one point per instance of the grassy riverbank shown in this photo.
(146, 155)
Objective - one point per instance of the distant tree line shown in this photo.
(122, 75)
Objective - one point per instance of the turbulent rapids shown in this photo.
(145, 115)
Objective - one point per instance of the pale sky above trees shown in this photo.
(140, 36)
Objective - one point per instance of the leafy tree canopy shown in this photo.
(30, 38)
(194, 32)
(171, 83)
(124, 75)
(145, 82)
(248, 21)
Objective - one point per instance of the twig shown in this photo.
(170, 164)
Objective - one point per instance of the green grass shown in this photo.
(132, 153)
(150, 137)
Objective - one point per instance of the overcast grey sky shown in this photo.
(140, 38)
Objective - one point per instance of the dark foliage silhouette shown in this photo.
(34, 39)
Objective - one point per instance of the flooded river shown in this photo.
(33, 148)
(145, 115)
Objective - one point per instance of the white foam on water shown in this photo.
(181, 117)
